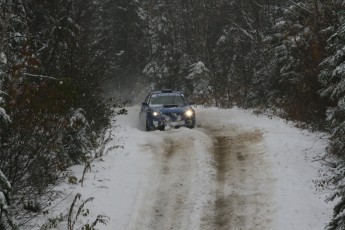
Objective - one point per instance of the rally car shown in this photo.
(166, 108)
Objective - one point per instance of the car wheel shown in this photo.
(147, 126)
(191, 125)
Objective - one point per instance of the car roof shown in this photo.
(166, 91)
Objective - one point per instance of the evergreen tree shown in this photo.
(50, 89)
(199, 75)
(164, 31)
(121, 46)
(294, 51)
(333, 82)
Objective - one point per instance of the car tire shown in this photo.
(147, 126)
(191, 125)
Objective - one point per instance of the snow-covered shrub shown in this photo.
(338, 184)
(5, 189)
(81, 211)
(77, 140)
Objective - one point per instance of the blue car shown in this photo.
(166, 108)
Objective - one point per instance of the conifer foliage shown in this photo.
(333, 82)
(53, 57)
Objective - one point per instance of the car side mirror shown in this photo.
(145, 104)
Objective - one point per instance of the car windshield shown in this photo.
(167, 100)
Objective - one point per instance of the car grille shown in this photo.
(172, 116)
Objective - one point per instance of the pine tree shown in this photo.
(333, 82)
(199, 75)
(293, 50)
(52, 96)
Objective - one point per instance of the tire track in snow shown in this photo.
(168, 187)
(222, 157)
(173, 187)
(243, 182)
(225, 184)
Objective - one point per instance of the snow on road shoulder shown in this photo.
(293, 153)
(113, 182)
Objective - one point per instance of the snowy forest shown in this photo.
(286, 57)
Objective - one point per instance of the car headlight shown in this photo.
(189, 113)
(155, 114)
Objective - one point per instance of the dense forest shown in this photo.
(286, 57)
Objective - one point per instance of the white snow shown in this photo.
(292, 153)
(4, 187)
(197, 69)
(3, 115)
(3, 58)
(3, 204)
(116, 180)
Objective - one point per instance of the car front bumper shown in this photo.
(159, 122)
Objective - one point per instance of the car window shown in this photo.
(147, 98)
(167, 100)
(179, 100)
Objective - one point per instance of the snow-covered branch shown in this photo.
(40, 76)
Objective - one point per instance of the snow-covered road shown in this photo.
(233, 171)
(207, 178)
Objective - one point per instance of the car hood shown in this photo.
(163, 110)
